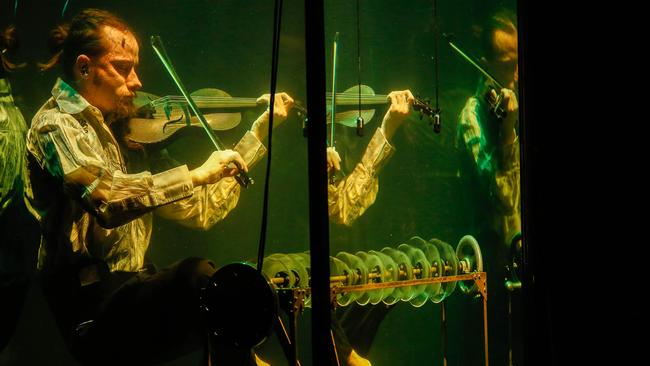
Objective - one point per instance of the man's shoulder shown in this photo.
(471, 104)
(49, 115)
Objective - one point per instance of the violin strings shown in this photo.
(225, 102)
(226, 99)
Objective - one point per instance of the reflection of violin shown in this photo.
(494, 98)
(347, 104)
(348, 112)
(159, 118)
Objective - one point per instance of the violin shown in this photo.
(494, 98)
(159, 118)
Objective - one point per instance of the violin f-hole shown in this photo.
(172, 121)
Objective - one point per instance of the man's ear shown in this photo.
(82, 66)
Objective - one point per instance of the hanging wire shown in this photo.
(359, 54)
(277, 25)
(436, 117)
(360, 121)
(436, 42)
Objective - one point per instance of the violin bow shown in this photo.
(471, 61)
(333, 104)
(156, 42)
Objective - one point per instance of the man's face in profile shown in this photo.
(114, 80)
(505, 63)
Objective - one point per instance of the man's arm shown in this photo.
(212, 203)
(75, 157)
(348, 199)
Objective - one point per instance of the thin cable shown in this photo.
(359, 54)
(436, 41)
(436, 28)
(277, 24)
(336, 353)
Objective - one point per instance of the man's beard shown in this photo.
(118, 121)
(125, 109)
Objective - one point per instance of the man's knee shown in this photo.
(194, 271)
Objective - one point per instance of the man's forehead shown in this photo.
(120, 40)
(505, 43)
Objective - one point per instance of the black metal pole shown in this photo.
(316, 147)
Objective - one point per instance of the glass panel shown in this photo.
(403, 205)
(219, 49)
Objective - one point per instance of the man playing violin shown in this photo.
(96, 213)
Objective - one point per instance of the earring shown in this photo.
(84, 71)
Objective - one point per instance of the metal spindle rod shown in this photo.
(373, 275)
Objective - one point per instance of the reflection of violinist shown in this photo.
(18, 241)
(96, 214)
(491, 140)
(349, 198)
(491, 170)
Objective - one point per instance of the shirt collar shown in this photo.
(5, 87)
(68, 100)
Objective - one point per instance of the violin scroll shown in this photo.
(424, 107)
